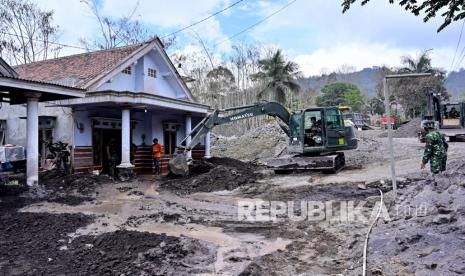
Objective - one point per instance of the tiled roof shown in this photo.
(76, 70)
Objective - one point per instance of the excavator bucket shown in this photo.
(178, 165)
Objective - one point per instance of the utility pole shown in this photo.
(387, 105)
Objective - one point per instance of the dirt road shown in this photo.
(145, 228)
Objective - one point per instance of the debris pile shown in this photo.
(407, 130)
(140, 253)
(426, 235)
(261, 143)
(216, 174)
(82, 183)
(31, 241)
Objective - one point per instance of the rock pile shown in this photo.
(262, 143)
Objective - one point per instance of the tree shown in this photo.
(279, 77)
(27, 32)
(422, 64)
(117, 32)
(411, 92)
(341, 93)
(454, 10)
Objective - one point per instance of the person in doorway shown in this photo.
(112, 156)
(157, 150)
(454, 114)
(435, 150)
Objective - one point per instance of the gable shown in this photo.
(101, 70)
(151, 73)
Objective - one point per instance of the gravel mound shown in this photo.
(409, 129)
(406, 130)
(216, 174)
(262, 143)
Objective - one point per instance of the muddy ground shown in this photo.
(90, 225)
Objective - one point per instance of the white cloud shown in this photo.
(74, 19)
(162, 13)
(363, 55)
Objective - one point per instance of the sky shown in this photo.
(313, 33)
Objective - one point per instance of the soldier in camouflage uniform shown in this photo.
(435, 150)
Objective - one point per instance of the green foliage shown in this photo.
(279, 76)
(376, 105)
(340, 93)
(412, 92)
(453, 10)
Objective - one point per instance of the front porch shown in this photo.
(132, 120)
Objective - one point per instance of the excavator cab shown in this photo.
(319, 130)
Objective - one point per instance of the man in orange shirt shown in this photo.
(157, 149)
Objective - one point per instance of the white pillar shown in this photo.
(125, 139)
(188, 125)
(32, 132)
(207, 145)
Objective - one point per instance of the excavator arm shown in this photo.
(214, 119)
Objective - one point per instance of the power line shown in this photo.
(44, 41)
(457, 47)
(460, 60)
(173, 33)
(257, 23)
(203, 20)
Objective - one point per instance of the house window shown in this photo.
(127, 70)
(152, 73)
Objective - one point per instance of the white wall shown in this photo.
(164, 84)
(16, 127)
(121, 82)
(143, 126)
(82, 138)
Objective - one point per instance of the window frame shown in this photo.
(151, 72)
(127, 70)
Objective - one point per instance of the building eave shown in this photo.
(15, 89)
(135, 99)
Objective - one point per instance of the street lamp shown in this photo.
(387, 105)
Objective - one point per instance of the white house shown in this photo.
(133, 94)
(24, 95)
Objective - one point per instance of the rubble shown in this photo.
(258, 144)
(215, 174)
(407, 130)
(426, 233)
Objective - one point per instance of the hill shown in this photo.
(368, 79)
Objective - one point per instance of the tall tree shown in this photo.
(279, 77)
(422, 64)
(116, 32)
(27, 33)
(411, 92)
(454, 10)
(341, 93)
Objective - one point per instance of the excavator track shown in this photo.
(329, 163)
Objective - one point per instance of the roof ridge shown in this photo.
(81, 54)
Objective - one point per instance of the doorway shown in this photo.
(169, 141)
(101, 138)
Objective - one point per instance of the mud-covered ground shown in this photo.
(90, 225)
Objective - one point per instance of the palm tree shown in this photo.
(279, 76)
(422, 64)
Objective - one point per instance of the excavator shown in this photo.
(317, 136)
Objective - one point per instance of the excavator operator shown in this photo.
(312, 132)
